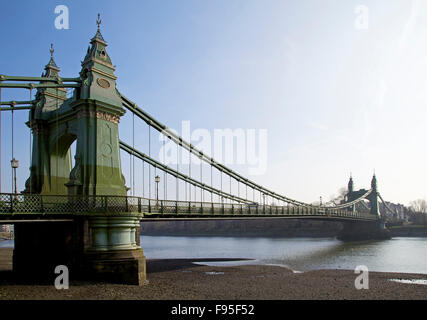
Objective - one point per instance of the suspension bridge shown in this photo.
(82, 214)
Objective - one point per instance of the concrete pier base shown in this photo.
(93, 248)
(114, 253)
(364, 230)
(121, 266)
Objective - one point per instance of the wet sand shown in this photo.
(181, 279)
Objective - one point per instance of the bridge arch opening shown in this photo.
(62, 161)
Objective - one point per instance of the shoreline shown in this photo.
(183, 279)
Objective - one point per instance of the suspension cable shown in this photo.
(143, 178)
(130, 170)
(57, 142)
(175, 173)
(164, 172)
(0, 140)
(179, 140)
(211, 185)
(31, 147)
(133, 158)
(386, 205)
(230, 187)
(201, 180)
(149, 167)
(177, 169)
(12, 150)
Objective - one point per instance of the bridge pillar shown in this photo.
(96, 246)
(364, 230)
(114, 251)
(93, 248)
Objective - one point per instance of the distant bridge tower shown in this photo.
(373, 197)
(364, 230)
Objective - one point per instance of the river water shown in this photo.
(406, 255)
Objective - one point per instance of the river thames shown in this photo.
(405, 255)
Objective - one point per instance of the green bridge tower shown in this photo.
(95, 245)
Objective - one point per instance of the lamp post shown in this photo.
(157, 179)
(15, 164)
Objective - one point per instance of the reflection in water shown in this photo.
(6, 244)
(405, 255)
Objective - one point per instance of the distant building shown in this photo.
(400, 212)
(6, 227)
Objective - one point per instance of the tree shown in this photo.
(340, 197)
(419, 205)
(419, 208)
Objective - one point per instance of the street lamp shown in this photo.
(15, 164)
(157, 179)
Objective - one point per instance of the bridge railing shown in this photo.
(161, 208)
(64, 204)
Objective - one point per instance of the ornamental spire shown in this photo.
(98, 36)
(350, 184)
(51, 68)
(98, 21)
(374, 185)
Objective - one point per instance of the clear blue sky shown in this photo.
(333, 98)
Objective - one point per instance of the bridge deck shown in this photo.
(36, 207)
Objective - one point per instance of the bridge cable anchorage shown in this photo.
(175, 173)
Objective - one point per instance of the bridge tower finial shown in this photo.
(350, 184)
(52, 70)
(98, 22)
(374, 182)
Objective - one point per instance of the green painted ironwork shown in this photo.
(36, 204)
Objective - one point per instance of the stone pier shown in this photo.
(93, 248)
(364, 230)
